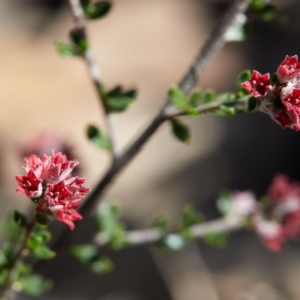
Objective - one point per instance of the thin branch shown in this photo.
(20, 254)
(94, 71)
(152, 236)
(210, 49)
(213, 45)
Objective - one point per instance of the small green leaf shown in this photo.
(216, 239)
(177, 97)
(33, 285)
(102, 265)
(208, 96)
(8, 251)
(79, 40)
(174, 242)
(42, 252)
(85, 253)
(224, 110)
(190, 217)
(117, 100)
(160, 222)
(11, 230)
(223, 203)
(42, 219)
(242, 77)
(252, 104)
(180, 131)
(97, 137)
(33, 242)
(97, 10)
(195, 98)
(85, 3)
(65, 49)
(20, 218)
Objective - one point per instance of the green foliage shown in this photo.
(89, 254)
(117, 100)
(242, 77)
(42, 219)
(97, 137)
(102, 265)
(223, 203)
(20, 219)
(266, 12)
(33, 285)
(216, 239)
(65, 49)
(36, 243)
(42, 252)
(160, 222)
(95, 10)
(190, 217)
(173, 242)
(79, 40)
(85, 253)
(11, 230)
(185, 104)
(110, 227)
(180, 131)
(252, 103)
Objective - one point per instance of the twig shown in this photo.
(211, 48)
(213, 45)
(152, 235)
(20, 254)
(94, 71)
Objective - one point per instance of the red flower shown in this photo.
(288, 69)
(271, 233)
(49, 180)
(258, 85)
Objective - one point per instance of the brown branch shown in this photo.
(210, 49)
(94, 71)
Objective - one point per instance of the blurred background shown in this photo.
(47, 102)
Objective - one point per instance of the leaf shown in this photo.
(8, 251)
(174, 242)
(118, 100)
(85, 253)
(42, 233)
(65, 49)
(160, 222)
(97, 137)
(223, 203)
(190, 217)
(252, 104)
(177, 98)
(42, 219)
(97, 10)
(79, 40)
(216, 239)
(43, 252)
(33, 285)
(242, 77)
(20, 218)
(180, 131)
(108, 219)
(10, 228)
(195, 98)
(33, 242)
(224, 110)
(208, 96)
(102, 265)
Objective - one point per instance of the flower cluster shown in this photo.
(278, 220)
(281, 97)
(49, 184)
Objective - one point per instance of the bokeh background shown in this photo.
(47, 102)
